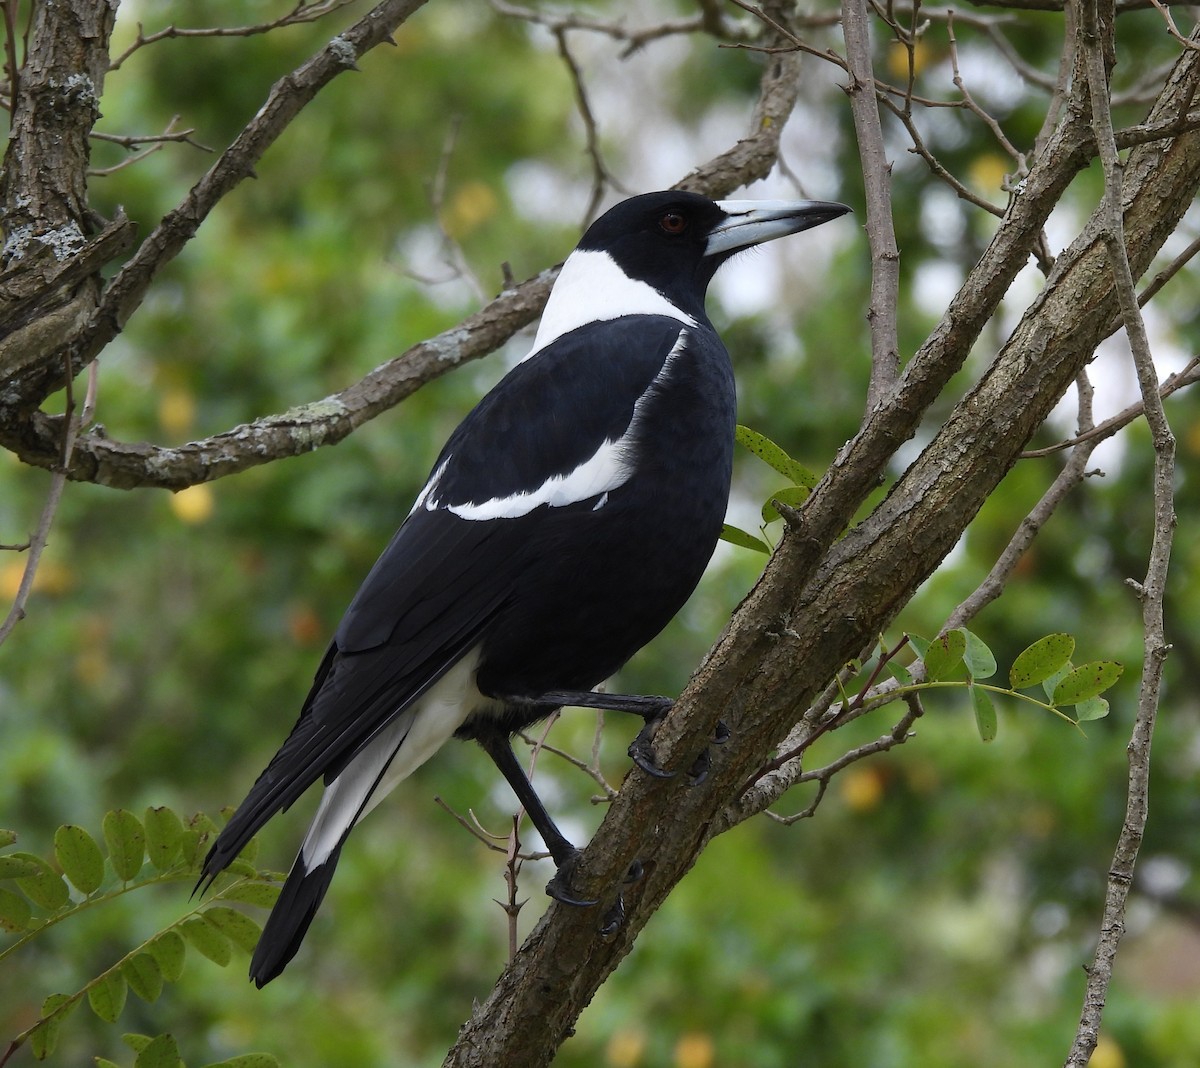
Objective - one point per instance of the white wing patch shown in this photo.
(392, 755)
(592, 287)
(607, 469)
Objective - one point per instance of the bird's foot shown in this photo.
(559, 887)
(699, 770)
(641, 749)
(615, 916)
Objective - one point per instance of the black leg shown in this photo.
(651, 709)
(565, 855)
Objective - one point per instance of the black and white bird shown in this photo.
(566, 521)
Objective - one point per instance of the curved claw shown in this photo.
(559, 887)
(613, 918)
(642, 753)
(699, 770)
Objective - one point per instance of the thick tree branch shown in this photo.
(810, 613)
(125, 465)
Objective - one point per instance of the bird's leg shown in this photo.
(564, 854)
(652, 709)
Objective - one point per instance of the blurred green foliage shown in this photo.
(938, 910)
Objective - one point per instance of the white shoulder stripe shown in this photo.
(592, 287)
(607, 469)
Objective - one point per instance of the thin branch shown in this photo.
(1096, 41)
(881, 232)
(302, 12)
(1102, 431)
(601, 175)
(9, 9)
(708, 21)
(898, 735)
(37, 544)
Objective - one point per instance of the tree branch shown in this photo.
(1096, 38)
(819, 601)
(287, 98)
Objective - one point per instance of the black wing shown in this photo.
(443, 578)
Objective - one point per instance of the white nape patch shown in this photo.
(607, 469)
(392, 755)
(591, 287)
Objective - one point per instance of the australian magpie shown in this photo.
(566, 521)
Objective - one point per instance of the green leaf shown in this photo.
(199, 832)
(170, 951)
(789, 497)
(207, 940)
(161, 1052)
(1041, 660)
(15, 912)
(900, 673)
(945, 654)
(104, 1062)
(164, 833)
(44, 1035)
(1091, 708)
(47, 889)
(767, 451)
(980, 661)
(126, 841)
(1050, 682)
(263, 895)
(144, 976)
(79, 857)
(920, 645)
(136, 1042)
(743, 539)
(985, 713)
(19, 866)
(239, 928)
(248, 1060)
(7, 838)
(107, 996)
(1086, 681)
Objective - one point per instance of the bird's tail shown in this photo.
(346, 800)
(293, 912)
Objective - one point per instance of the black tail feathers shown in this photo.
(289, 920)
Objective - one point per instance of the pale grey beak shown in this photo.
(751, 222)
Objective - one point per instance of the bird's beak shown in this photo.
(751, 222)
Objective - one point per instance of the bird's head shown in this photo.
(656, 253)
(675, 241)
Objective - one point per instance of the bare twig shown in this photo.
(881, 233)
(37, 543)
(633, 39)
(1096, 40)
(1102, 431)
(302, 12)
(601, 175)
(787, 776)
(9, 10)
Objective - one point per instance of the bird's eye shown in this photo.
(672, 222)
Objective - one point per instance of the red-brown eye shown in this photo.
(672, 223)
